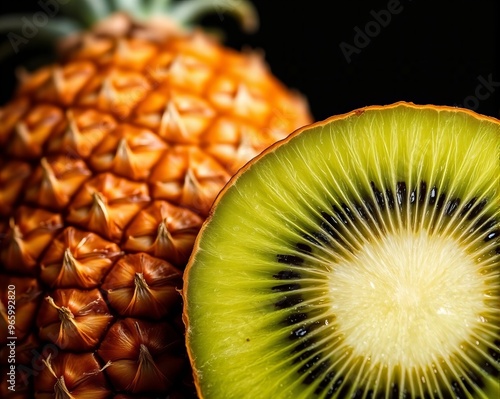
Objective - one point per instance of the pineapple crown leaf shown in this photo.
(53, 27)
(188, 10)
(87, 12)
(14, 26)
(74, 16)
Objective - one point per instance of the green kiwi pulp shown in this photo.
(358, 258)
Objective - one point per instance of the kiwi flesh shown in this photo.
(358, 258)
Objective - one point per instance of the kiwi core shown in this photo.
(406, 297)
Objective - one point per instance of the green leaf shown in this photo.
(158, 6)
(187, 11)
(87, 12)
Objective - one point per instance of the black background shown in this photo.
(439, 52)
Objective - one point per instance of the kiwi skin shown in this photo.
(186, 289)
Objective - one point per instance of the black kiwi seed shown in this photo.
(299, 332)
(340, 215)
(290, 259)
(413, 196)
(345, 389)
(477, 209)
(468, 207)
(390, 198)
(492, 235)
(440, 201)
(348, 212)
(330, 226)
(495, 353)
(309, 364)
(488, 368)
(335, 386)
(295, 318)
(301, 351)
(466, 386)
(287, 275)
(476, 380)
(304, 248)
(286, 287)
(433, 195)
(379, 197)
(361, 212)
(289, 301)
(401, 193)
(422, 192)
(317, 372)
(457, 389)
(452, 206)
(394, 393)
(316, 238)
(368, 203)
(325, 382)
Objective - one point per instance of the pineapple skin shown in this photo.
(109, 163)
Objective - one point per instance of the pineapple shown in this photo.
(109, 163)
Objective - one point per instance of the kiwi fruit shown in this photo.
(357, 258)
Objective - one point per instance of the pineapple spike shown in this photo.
(242, 97)
(107, 91)
(139, 281)
(191, 183)
(60, 389)
(23, 133)
(69, 260)
(171, 116)
(146, 364)
(164, 238)
(65, 315)
(58, 79)
(73, 132)
(244, 147)
(124, 158)
(72, 267)
(50, 181)
(100, 218)
(145, 357)
(122, 46)
(16, 250)
(17, 235)
(141, 290)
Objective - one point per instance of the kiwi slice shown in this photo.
(358, 258)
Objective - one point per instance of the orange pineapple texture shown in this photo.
(109, 163)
